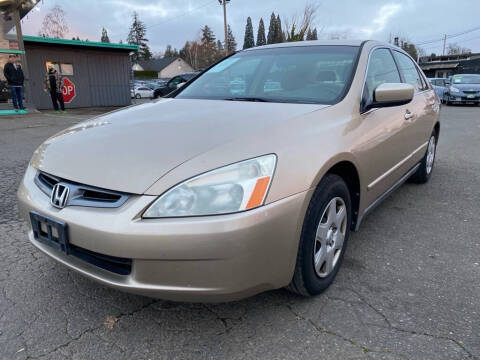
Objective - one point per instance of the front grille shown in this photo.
(117, 265)
(470, 91)
(81, 195)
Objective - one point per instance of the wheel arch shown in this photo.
(345, 166)
(437, 129)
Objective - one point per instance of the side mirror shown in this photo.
(391, 94)
(179, 85)
(447, 83)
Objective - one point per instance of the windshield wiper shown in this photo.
(253, 99)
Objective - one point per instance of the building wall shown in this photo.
(177, 67)
(101, 77)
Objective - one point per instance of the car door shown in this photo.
(381, 150)
(421, 112)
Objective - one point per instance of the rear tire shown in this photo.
(324, 237)
(424, 172)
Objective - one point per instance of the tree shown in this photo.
(299, 28)
(170, 52)
(455, 49)
(136, 36)
(261, 39)
(54, 24)
(309, 34)
(190, 53)
(220, 47)
(208, 47)
(271, 29)
(249, 40)
(279, 37)
(314, 34)
(104, 37)
(231, 44)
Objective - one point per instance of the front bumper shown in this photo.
(464, 98)
(211, 258)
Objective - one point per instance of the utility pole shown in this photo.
(21, 46)
(224, 3)
(444, 43)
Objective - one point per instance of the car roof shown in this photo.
(311, 43)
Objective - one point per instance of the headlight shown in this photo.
(454, 89)
(233, 188)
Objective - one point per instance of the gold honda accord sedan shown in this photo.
(247, 178)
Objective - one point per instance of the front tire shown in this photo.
(324, 237)
(424, 172)
(138, 96)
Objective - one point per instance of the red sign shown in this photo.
(68, 90)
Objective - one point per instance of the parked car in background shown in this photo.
(173, 83)
(440, 86)
(142, 92)
(463, 89)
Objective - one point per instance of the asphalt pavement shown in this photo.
(409, 287)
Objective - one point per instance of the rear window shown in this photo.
(297, 74)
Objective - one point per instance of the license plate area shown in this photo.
(50, 232)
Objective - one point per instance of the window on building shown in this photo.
(62, 68)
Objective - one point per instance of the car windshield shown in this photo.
(466, 79)
(297, 74)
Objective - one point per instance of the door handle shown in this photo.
(409, 115)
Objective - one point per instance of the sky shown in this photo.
(176, 21)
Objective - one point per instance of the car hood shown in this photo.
(467, 87)
(130, 149)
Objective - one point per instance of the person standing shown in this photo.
(54, 85)
(14, 74)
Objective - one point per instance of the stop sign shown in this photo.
(68, 90)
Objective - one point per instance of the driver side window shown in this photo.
(381, 69)
(175, 81)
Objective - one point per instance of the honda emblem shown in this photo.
(59, 195)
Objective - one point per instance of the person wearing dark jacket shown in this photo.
(14, 74)
(54, 85)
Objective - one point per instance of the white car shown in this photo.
(142, 92)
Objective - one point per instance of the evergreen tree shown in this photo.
(207, 36)
(220, 47)
(314, 34)
(249, 40)
(136, 36)
(208, 47)
(170, 52)
(279, 38)
(309, 34)
(231, 44)
(104, 37)
(261, 40)
(271, 29)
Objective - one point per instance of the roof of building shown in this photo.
(95, 44)
(446, 59)
(156, 64)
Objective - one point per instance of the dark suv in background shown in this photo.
(173, 83)
(462, 89)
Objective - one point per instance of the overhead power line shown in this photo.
(448, 36)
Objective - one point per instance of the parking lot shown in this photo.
(409, 287)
